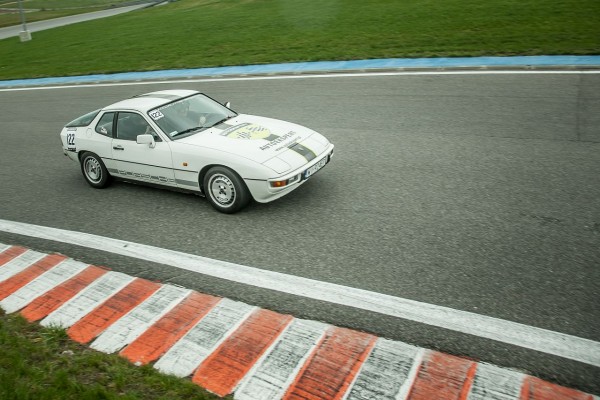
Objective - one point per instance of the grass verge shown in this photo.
(43, 364)
(206, 33)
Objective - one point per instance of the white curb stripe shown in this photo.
(20, 263)
(412, 375)
(134, 323)
(4, 247)
(495, 383)
(385, 371)
(42, 284)
(543, 340)
(87, 300)
(356, 377)
(187, 354)
(272, 375)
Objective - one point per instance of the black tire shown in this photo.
(225, 190)
(94, 171)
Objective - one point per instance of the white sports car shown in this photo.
(183, 139)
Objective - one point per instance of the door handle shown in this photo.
(118, 147)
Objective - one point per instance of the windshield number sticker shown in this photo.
(70, 139)
(156, 115)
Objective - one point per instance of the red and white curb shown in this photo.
(231, 347)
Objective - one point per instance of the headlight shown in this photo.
(285, 182)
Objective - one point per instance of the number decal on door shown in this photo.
(70, 139)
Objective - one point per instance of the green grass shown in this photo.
(206, 33)
(39, 10)
(44, 364)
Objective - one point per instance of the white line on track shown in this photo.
(304, 76)
(543, 340)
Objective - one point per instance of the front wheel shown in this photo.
(225, 190)
(94, 171)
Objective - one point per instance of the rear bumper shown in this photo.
(71, 154)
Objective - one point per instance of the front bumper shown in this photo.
(263, 192)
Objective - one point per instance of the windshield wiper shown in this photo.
(188, 130)
(222, 120)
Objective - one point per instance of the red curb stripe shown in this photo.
(169, 329)
(464, 394)
(444, 377)
(21, 279)
(54, 298)
(537, 389)
(332, 366)
(10, 253)
(94, 323)
(226, 366)
(525, 390)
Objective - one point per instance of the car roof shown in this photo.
(149, 101)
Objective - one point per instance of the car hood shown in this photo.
(262, 140)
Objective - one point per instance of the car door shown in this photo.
(98, 140)
(141, 162)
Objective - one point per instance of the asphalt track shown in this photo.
(476, 192)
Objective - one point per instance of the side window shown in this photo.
(84, 120)
(130, 125)
(105, 125)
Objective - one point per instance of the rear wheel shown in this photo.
(94, 171)
(225, 190)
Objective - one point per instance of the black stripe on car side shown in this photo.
(186, 183)
(149, 165)
(152, 178)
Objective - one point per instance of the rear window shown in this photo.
(84, 120)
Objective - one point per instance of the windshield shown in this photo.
(190, 115)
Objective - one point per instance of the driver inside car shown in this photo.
(183, 111)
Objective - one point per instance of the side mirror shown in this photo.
(146, 139)
(228, 104)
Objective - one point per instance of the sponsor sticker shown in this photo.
(247, 131)
(278, 140)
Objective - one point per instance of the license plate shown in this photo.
(315, 168)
